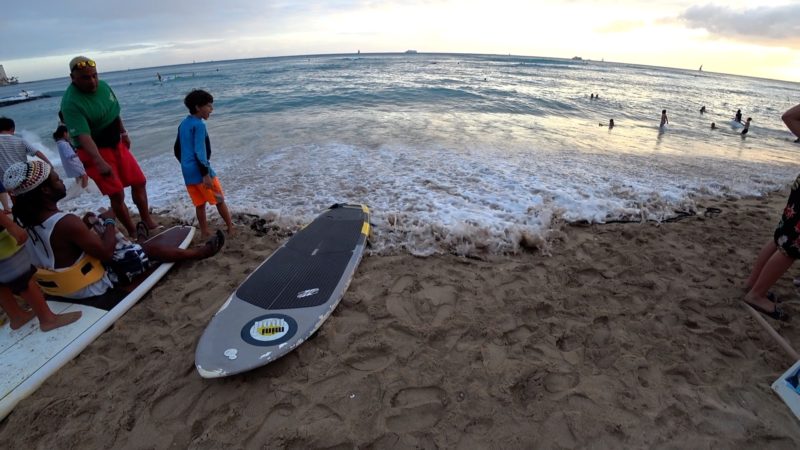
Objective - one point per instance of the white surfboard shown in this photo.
(787, 386)
(28, 356)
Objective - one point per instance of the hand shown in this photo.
(207, 182)
(103, 168)
(18, 234)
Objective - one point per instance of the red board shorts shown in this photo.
(124, 167)
(201, 195)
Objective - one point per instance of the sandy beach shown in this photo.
(615, 336)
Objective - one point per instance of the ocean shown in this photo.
(458, 153)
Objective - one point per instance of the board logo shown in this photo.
(307, 293)
(270, 329)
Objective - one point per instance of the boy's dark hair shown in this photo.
(6, 124)
(59, 132)
(197, 98)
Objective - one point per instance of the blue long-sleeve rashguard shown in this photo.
(195, 150)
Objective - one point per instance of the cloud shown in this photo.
(621, 26)
(54, 27)
(767, 24)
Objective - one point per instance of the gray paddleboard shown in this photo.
(288, 297)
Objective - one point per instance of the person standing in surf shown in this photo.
(69, 159)
(193, 150)
(738, 116)
(746, 126)
(664, 119)
(92, 115)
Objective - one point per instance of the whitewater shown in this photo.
(459, 153)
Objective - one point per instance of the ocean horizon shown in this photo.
(460, 153)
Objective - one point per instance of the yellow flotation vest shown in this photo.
(8, 245)
(88, 270)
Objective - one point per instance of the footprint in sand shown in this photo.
(560, 382)
(415, 409)
(174, 404)
(279, 417)
(371, 359)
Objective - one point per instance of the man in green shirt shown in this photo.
(92, 115)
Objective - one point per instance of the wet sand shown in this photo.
(615, 336)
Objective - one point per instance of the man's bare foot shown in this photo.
(231, 231)
(17, 322)
(60, 320)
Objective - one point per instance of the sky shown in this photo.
(753, 38)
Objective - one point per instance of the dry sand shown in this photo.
(627, 335)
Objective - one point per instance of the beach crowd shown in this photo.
(46, 251)
(91, 259)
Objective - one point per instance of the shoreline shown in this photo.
(625, 335)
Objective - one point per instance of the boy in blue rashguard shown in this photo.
(193, 150)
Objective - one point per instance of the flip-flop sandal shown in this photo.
(217, 242)
(142, 233)
(777, 314)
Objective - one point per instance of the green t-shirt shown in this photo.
(87, 113)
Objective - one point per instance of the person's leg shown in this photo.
(5, 200)
(222, 208)
(130, 174)
(792, 120)
(47, 319)
(17, 315)
(202, 221)
(162, 253)
(121, 211)
(763, 256)
(777, 264)
(139, 194)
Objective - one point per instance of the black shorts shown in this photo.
(20, 283)
(787, 235)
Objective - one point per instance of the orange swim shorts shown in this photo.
(201, 195)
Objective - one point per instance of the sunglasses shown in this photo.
(84, 64)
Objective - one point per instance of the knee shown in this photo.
(117, 198)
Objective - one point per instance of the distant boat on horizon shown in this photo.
(701, 68)
(411, 51)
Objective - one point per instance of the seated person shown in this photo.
(16, 277)
(62, 242)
